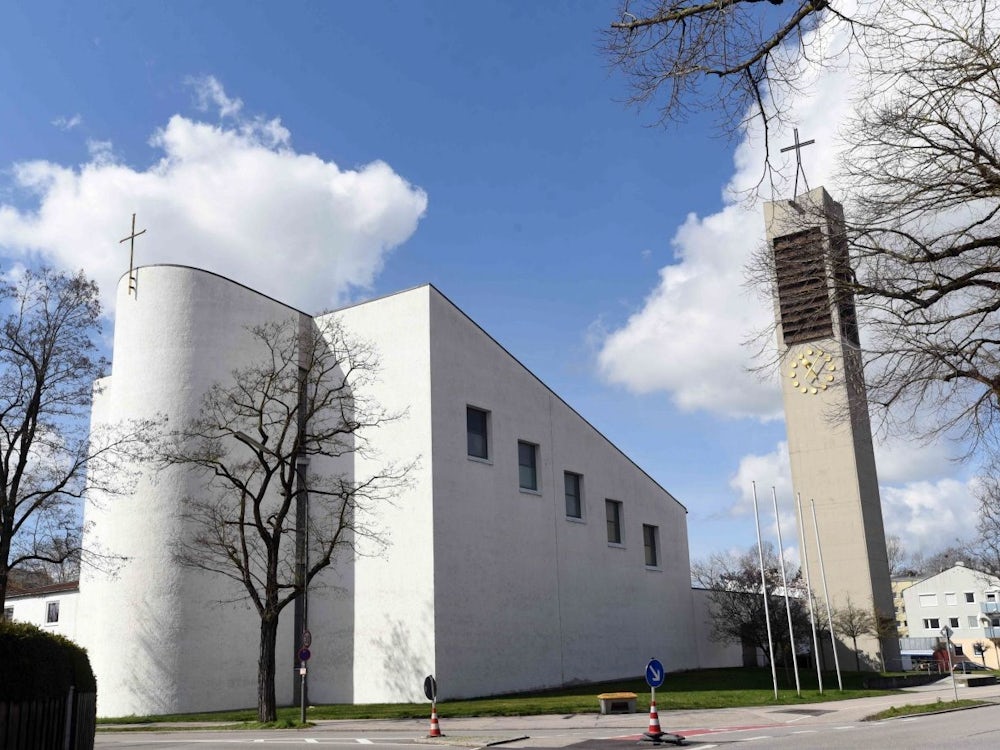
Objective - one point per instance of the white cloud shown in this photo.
(67, 123)
(235, 200)
(930, 515)
(210, 93)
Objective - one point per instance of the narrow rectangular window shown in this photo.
(973, 623)
(970, 596)
(650, 540)
(52, 612)
(613, 511)
(950, 599)
(477, 431)
(953, 622)
(574, 504)
(527, 465)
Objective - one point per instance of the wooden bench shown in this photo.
(617, 703)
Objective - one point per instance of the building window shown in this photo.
(574, 502)
(972, 621)
(953, 622)
(928, 600)
(8, 614)
(613, 511)
(52, 612)
(959, 651)
(991, 596)
(651, 542)
(970, 597)
(527, 465)
(932, 623)
(950, 599)
(477, 424)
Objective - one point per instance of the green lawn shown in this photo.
(710, 688)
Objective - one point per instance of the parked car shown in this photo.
(969, 666)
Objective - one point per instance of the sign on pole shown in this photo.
(431, 688)
(304, 654)
(654, 673)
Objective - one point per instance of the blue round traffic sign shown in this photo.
(304, 654)
(654, 673)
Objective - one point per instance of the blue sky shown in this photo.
(327, 152)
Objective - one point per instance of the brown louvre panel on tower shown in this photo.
(803, 295)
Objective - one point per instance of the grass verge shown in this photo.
(926, 708)
(700, 689)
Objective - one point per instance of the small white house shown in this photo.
(52, 607)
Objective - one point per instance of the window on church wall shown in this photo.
(527, 465)
(803, 293)
(52, 613)
(613, 513)
(928, 600)
(477, 422)
(574, 497)
(651, 543)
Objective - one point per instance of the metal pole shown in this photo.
(784, 583)
(946, 631)
(809, 593)
(763, 584)
(826, 595)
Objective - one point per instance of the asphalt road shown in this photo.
(823, 725)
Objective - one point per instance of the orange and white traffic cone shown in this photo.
(435, 727)
(654, 732)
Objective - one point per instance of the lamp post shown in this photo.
(301, 631)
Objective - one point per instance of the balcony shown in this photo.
(990, 608)
(991, 632)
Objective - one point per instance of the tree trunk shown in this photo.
(266, 705)
(857, 656)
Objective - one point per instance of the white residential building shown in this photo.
(527, 552)
(962, 599)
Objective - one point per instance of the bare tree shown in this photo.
(736, 600)
(979, 648)
(737, 58)
(301, 401)
(49, 361)
(854, 622)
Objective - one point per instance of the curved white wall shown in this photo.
(157, 637)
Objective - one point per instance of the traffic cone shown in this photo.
(435, 728)
(654, 723)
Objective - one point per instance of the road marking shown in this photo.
(751, 739)
(363, 741)
(839, 728)
(310, 741)
(805, 731)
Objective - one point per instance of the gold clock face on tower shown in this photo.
(812, 371)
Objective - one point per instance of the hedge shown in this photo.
(35, 664)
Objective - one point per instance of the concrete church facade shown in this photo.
(492, 586)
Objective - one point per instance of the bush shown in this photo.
(35, 664)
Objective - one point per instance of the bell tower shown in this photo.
(826, 411)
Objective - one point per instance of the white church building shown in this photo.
(526, 552)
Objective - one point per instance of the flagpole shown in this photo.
(784, 583)
(826, 594)
(809, 593)
(763, 584)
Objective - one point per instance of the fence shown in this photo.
(66, 723)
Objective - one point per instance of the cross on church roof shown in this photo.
(131, 256)
(798, 146)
